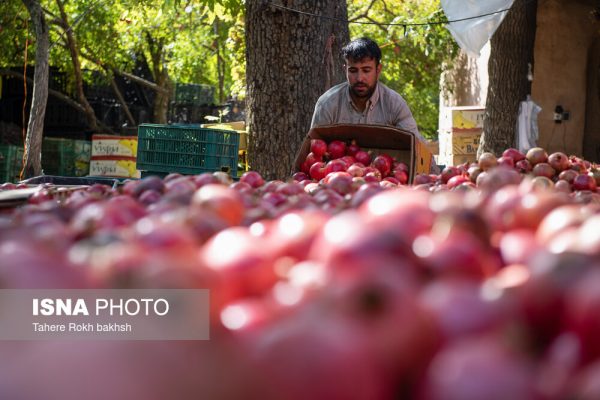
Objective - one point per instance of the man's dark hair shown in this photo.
(361, 48)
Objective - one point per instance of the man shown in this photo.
(363, 99)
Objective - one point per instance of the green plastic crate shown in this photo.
(11, 163)
(186, 149)
(66, 157)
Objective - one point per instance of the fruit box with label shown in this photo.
(462, 118)
(398, 143)
(114, 166)
(109, 145)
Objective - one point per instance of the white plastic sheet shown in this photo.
(527, 125)
(472, 34)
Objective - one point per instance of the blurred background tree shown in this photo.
(160, 44)
(413, 56)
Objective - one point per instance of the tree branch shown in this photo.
(214, 51)
(385, 8)
(61, 96)
(74, 51)
(135, 78)
(50, 13)
(377, 24)
(365, 14)
(115, 88)
(141, 81)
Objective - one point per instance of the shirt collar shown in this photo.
(370, 103)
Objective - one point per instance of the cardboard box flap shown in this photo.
(374, 137)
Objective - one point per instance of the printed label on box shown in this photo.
(121, 168)
(459, 142)
(103, 145)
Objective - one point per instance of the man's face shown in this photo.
(362, 76)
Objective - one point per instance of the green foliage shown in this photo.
(185, 38)
(180, 37)
(413, 56)
(14, 31)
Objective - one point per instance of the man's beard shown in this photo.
(365, 95)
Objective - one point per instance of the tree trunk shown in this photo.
(220, 64)
(162, 79)
(35, 127)
(161, 99)
(74, 50)
(511, 51)
(291, 60)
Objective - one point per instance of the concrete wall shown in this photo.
(565, 35)
(467, 82)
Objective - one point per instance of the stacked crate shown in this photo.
(187, 149)
(65, 157)
(239, 127)
(114, 156)
(459, 134)
(11, 162)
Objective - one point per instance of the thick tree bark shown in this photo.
(74, 50)
(35, 127)
(291, 60)
(511, 51)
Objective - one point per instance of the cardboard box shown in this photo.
(462, 118)
(396, 142)
(434, 147)
(83, 150)
(459, 142)
(456, 159)
(118, 146)
(114, 166)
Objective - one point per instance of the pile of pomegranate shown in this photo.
(482, 282)
(356, 164)
(568, 174)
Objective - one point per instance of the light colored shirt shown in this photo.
(385, 107)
